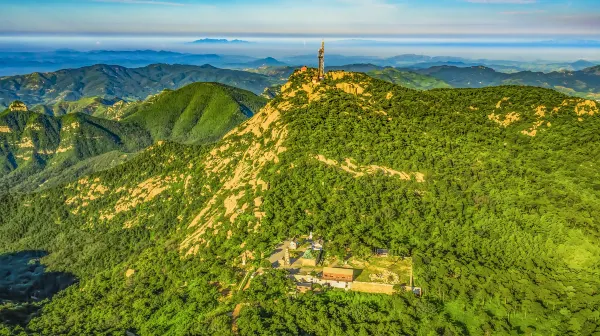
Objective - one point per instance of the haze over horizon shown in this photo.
(474, 28)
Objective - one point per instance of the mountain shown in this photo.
(359, 67)
(116, 82)
(37, 147)
(40, 151)
(95, 106)
(199, 112)
(408, 79)
(219, 41)
(584, 83)
(18, 63)
(490, 194)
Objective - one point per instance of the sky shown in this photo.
(306, 18)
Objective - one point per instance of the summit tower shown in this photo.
(321, 74)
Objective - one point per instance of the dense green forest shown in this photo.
(116, 82)
(38, 150)
(199, 112)
(495, 199)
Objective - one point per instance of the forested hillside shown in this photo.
(113, 109)
(39, 150)
(111, 81)
(491, 191)
(583, 83)
(199, 112)
(37, 147)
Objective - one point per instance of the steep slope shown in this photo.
(492, 192)
(584, 83)
(110, 82)
(200, 112)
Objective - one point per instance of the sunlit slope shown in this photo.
(199, 112)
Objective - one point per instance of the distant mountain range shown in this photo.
(15, 63)
(111, 81)
(107, 91)
(583, 83)
(219, 41)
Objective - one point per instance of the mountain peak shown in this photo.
(18, 105)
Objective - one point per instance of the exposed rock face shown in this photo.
(18, 106)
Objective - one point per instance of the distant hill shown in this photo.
(196, 113)
(357, 67)
(583, 83)
(409, 79)
(111, 81)
(256, 64)
(219, 41)
(113, 109)
(269, 61)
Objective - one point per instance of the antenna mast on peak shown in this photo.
(322, 61)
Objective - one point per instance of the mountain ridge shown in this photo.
(117, 82)
(584, 83)
(196, 113)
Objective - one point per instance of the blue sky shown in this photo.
(355, 18)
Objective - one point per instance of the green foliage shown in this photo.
(503, 231)
(338, 313)
(95, 106)
(35, 148)
(200, 112)
(40, 151)
(112, 81)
